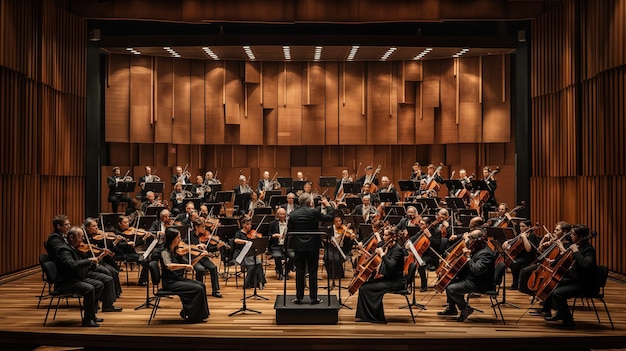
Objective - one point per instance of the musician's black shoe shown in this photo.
(424, 289)
(142, 283)
(280, 276)
(316, 301)
(567, 324)
(90, 323)
(297, 301)
(540, 312)
(465, 313)
(98, 320)
(112, 309)
(216, 294)
(513, 287)
(554, 318)
(448, 312)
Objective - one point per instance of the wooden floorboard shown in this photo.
(21, 324)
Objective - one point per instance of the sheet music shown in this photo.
(343, 255)
(153, 244)
(414, 252)
(243, 252)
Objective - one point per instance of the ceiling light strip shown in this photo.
(387, 54)
(171, 51)
(133, 51)
(422, 54)
(318, 53)
(287, 52)
(461, 52)
(207, 50)
(249, 52)
(353, 52)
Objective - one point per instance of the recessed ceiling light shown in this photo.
(287, 52)
(388, 53)
(423, 53)
(352, 53)
(249, 52)
(210, 52)
(318, 53)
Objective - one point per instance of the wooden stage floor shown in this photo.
(21, 324)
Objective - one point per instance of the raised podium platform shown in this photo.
(306, 313)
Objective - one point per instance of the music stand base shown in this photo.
(243, 310)
(414, 304)
(147, 304)
(504, 303)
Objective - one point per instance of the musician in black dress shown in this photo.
(370, 303)
(254, 266)
(477, 275)
(340, 237)
(306, 247)
(192, 292)
(578, 280)
(528, 254)
(205, 264)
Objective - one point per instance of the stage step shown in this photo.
(291, 313)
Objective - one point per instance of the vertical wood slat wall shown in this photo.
(579, 166)
(42, 120)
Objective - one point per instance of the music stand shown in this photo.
(154, 210)
(145, 222)
(500, 251)
(365, 231)
(453, 185)
(241, 201)
(395, 210)
(109, 220)
(215, 187)
(277, 200)
(355, 188)
(270, 193)
(145, 261)
(328, 182)
(187, 187)
(262, 211)
(428, 202)
(213, 206)
(224, 196)
(285, 182)
(412, 231)
(391, 196)
(407, 185)
(155, 187)
(196, 202)
(392, 219)
(455, 203)
(258, 246)
(352, 202)
(298, 185)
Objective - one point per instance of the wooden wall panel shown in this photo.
(332, 102)
(496, 101)
(181, 120)
(446, 128)
(424, 126)
(117, 103)
(251, 126)
(253, 72)
(289, 104)
(164, 100)
(406, 124)
(470, 122)
(352, 114)
(269, 83)
(214, 108)
(141, 83)
(412, 71)
(313, 107)
(233, 92)
(382, 103)
(197, 103)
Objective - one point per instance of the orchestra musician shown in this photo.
(391, 277)
(412, 219)
(503, 218)
(368, 177)
(561, 229)
(192, 292)
(387, 187)
(278, 230)
(121, 227)
(452, 240)
(465, 180)
(209, 179)
(148, 177)
(477, 275)
(365, 190)
(366, 209)
(340, 237)
(107, 264)
(290, 205)
(181, 176)
(243, 188)
(185, 217)
(430, 259)
(157, 232)
(307, 188)
(201, 190)
(527, 255)
(492, 185)
(177, 198)
(115, 197)
(149, 202)
(205, 264)
(416, 172)
(306, 247)
(266, 183)
(255, 275)
(204, 212)
(56, 239)
(254, 203)
(578, 280)
(345, 178)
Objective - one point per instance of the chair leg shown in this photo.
(595, 310)
(154, 309)
(408, 303)
(41, 296)
(573, 307)
(497, 304)
(57, 308)
(607, 313)
(48, 311)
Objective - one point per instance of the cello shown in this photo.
(480, 197)
(367, 270)
(432, 183)
(373, 187)
(544, 270)
(516, 246)
(420, 245)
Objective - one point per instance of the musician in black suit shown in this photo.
(368, 177)
(115, 197)
(180, 176)
(492, 185)
(345, 178)
(477, 275)
(306, 247)
(290, 205)
(243, 188)
(502, 219)
(56, 239)
(370, 303)
(277, 230)
(146, 178)
(416, 172)
(367, 210)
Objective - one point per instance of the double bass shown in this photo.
(480, 197)
(431, 182)
(516, 246)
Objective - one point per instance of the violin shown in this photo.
(184, 249)
(132, 231)
(91, 248)
(516, 246)
(108, 236)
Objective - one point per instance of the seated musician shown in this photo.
(345, 178)
(530, 241)
(243, 188)
(201, 190)
(578, 280)
(266, 183)
(340, 237)
(390, 277)
(157, 232)
(185, 217)
(465, 180)
(146, 178)
(386, 186)
(254, 267)
(290, 205)
(307, 188)
(204, 211)
(209, 178)
(431, 175)
(180, 176)
(416, 172)
(177, 199)
(502, 219)
(423, 191)
(150, 201)
(205, 264)
(366, 209)
(365, 190)
(134, 237)
(475, 223)
(477, 275)
(411, 220)
(492, 184)
(560, 231)
(107, 264)
(173, 266)
(254, 203)
(430, 259)
(278, 229)
(368, 177)
(116, 197)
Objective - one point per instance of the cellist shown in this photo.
(530, 241)
(391, 277)
(578, 279)
(503, 219)
(477, 275)
(430, 258)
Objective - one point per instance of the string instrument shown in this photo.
(212, 222)
(368, 250)
(516, 246)
(367, 269)
(132, 231)
(482, 196)
(254, 232)
(93, 249)
(108, 236)
(374, 187)
(552, 277)
(505, 224)
(543, 270)
(185, 249)
(432, 183)
(464, 193)
(421, 245)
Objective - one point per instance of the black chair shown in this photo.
(601, 277)
(494, 294)
(155, 273)
(49, 270)
(43, 258)
(408, 289)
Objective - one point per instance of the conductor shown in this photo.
(306, 247)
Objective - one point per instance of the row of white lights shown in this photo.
(423, 53)
(207, 50)
(388, 53)
(249, 52)
(318, 53)
(287, 52)
(171, 51)
(352, 53)
(461, 53)
(133, 51)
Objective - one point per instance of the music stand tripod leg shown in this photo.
(244, 308)
(148, 303)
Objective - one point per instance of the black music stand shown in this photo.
(263, 211)
(154, 210)
(407, 185)
(365, 231)
(354, 188)
(277, 200)
(500, 252)
(326, 263)
(242, 201)
(328, 182)
(109, 220)
(428, 202)
(455, 203)
(155, 187)
(394, 220)
(285, 182)
(290, 251)
(215, 207)
(298, 185)
(144, 260)
(257, 246)
(391, 196)
(453, 185)
(145, 222)
(196, 202)
(352, 202)
(224, 197)
(187, 187)
(395, 210)
(270, 193)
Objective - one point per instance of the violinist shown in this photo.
(340, 237)
(146, 178)
(185, 217)
(278, 230)
(431, 260)
(209, 179)
(149, 202)
(255, 275)
(204, 211)
(307, 188)
(527, 255)
(266, 183)
(560, 231)
(368, 177)
(254, 203)
(492, 185)
(290, 205)
(61, 225)
(416, 172)
(476, 275)
(201, 190)
(503, 218)
(205, 264)
(366, 190)
(177, 198)
(412, 219)
(115, 197)
(242, 188)
(366, 209)
(345, 178)
(391, 277)
(578, 279)
(181, 176)
(192, 292)
(107, 264)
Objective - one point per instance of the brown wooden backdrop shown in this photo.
(578, 98)
(42, 121)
